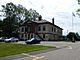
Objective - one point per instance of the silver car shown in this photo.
(2, 39)
(12, 39)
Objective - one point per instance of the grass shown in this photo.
(7, 49)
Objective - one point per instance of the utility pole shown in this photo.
(73, 15)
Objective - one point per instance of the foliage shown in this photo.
(34, 14)
(9, 26)
(10, 23)
(78, 10)
(73, 36)
(78, 1)
(70, 35)
(77, 34)
(20, 12)
(0, 24)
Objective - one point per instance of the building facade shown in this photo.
(40, 29)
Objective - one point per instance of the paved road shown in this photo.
(70, 52)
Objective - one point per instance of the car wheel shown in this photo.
(16, 40)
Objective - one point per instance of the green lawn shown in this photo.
(7, 49)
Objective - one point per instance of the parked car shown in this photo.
(33, 41)
(2, 39)
(12, 39)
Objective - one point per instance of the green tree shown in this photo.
(34, 14)
(78, 10)
(71, 36)
(77, 34)
(10, 23)
(78, 1)
(9, 26)
(22, 13)
(1, 25)
(12, 10)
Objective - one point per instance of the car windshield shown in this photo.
(32, 39)
(3, 37)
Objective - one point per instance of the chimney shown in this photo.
(40, 18)
(53, 20)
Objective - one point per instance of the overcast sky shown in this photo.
(61, 10)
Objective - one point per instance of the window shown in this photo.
(22, 30)
(26, 35)
(52, 29)
(56, 30)
(39, 28)
(26, 29)
(44, 36)
(44, 29)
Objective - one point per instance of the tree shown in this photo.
(12, 10)
(71, 36)
(10, 23)
(77, 34)
(1, 25)
(78, 10)
(20, 12)
(78, 1)
(34, 14)
(9, 26)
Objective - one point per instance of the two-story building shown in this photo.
(41, 29)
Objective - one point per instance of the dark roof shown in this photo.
(45, 21)
(42, 22)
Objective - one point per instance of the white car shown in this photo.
(2, 39)
(12, 39)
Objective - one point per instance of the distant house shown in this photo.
(41, 29)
